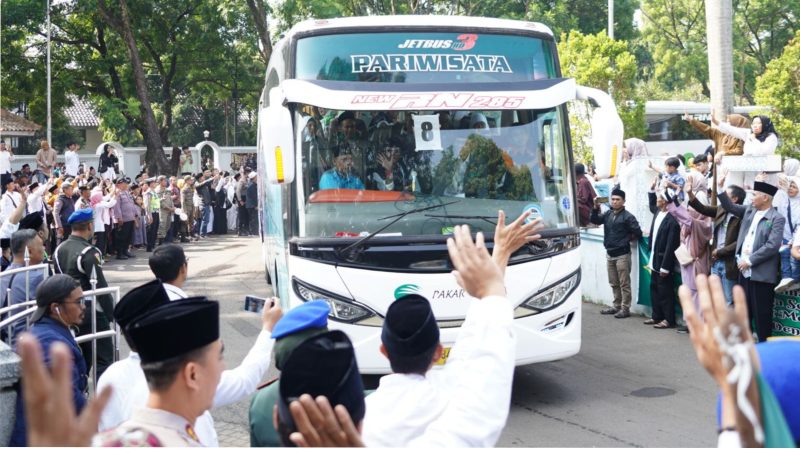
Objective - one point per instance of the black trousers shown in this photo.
(152, 231)
(662, 296)
(760, 300)
(101, 241)
(252, 219)
(124, 236)
(242, 221)
(105, 347)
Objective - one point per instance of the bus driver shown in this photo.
(341, 175)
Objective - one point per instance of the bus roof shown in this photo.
(371, 22)
(673, 107)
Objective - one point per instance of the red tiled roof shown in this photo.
(12, 124)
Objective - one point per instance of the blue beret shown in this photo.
(81, 215)
(313, 314)
(780, 369)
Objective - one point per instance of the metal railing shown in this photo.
(29, 307)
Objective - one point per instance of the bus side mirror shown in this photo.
(607, 131)
(276, 143)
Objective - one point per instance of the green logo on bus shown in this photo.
(406, 289)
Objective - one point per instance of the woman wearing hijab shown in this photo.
(789, 208)
(108, 163)
(696, 231)
(633, 148)
(760, 139)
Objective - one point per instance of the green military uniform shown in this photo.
(76, 257)
(262, 429)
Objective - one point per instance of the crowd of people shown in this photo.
(749, 237)
(130, 213)
(161, 393)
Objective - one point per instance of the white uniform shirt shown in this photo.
(35, 203)
(5, 162)
(174, 293)
(72, 161)
(750, 239)
(102, 213)
(131, 391)
(659, 219)
(466, 403)
(9, 203)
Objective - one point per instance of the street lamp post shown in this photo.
(49, 119)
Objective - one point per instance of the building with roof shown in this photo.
(15, 130)
(83, 118)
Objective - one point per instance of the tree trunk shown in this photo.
(155, 161)
(719, 31)
(259, 13)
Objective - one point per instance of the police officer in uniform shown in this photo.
(77, 257)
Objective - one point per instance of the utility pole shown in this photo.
(611, 19)
(49, 118)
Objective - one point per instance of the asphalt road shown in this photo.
(630, 386)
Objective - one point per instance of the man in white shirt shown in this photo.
(130, 385)
(760, 238)
(168, 263)
(5, 165)
(479, 397)
(10, 200)
(71, 159)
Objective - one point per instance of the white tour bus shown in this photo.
(669, 134)
(377, 135)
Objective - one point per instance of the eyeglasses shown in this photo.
(76, 302)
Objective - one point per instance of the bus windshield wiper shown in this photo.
(396, 217)
(458, 216)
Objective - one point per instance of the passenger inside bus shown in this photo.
(398, 169)
(341, 175)
(315, 148)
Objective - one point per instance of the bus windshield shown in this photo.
(362, 169)
(424, 57)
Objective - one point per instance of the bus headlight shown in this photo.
(342, 309)
(551, 297)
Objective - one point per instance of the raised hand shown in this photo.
(319, 425)
(474, 270)
(509, 238)
(714, 119)
(271, 314)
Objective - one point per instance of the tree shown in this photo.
(600, 62)
(674, 33)
(777, 88)
(154, 157)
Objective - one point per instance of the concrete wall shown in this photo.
(594, 275)
(9, 373)
(93, 139)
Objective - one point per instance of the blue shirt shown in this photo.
(17, 295)
(331, 179)
(49, 331)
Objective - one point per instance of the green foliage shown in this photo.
(777, 88)
(675, 34)
(201, 55)
(599, 62)
(586, 16)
